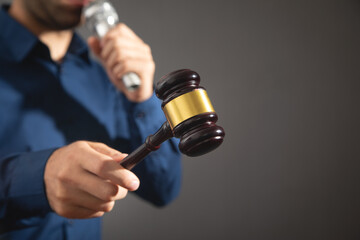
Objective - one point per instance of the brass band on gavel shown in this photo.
(186, 106)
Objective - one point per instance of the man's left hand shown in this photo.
(121, 51)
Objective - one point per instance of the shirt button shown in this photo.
(70, 222)
(140, 115)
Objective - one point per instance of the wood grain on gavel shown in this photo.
(190, 117)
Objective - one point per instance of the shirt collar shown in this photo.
(79, 47)
(21, 40)
(18, 41)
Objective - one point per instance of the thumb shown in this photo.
(94, 44)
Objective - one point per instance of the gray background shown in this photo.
(283, 77)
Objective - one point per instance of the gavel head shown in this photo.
(189, 112)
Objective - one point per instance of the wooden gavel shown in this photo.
(190, 117)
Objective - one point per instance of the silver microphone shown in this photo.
(100, 17)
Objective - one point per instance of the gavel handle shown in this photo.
(152, 143)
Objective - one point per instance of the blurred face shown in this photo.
(55, 14)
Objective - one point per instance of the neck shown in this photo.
(57, 41)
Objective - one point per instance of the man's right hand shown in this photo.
(83, 179)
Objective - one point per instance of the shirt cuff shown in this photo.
(146, 107)
(27, 194)
(148, 115)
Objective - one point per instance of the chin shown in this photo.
(68, 20)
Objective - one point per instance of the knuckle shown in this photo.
(100, 145)
(108, 206)
(99, 214)
(118, 42)
(121, 26)
(111, 192)
(64, 199)
(126, 64)
(79, 143)
(147, 48)
(100, 166)
(62, 176)
(65, 177)
(149, 66)
(62, 210)
(122, 194)
(121, 63)
(116, 54)
(152, 64)
(103, 55)
(72, 155)
(61, 196)
(111, 62)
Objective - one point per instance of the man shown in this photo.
(64, 123)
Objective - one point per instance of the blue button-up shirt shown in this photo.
(45, 105)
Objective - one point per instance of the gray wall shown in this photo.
(283, 77)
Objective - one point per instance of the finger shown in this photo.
(121, 30)
(92, 203)
(107, 48)
(112, 59)
(106, 168)
(100, 188)
(104, 149)
(113, 171)
(76, 212)
(119, 158)
(94, 45)
(144, 69)
(138, 66)
(125, 47)
(120, 36)
(124, 54)
(88, 201)
(124, 41)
